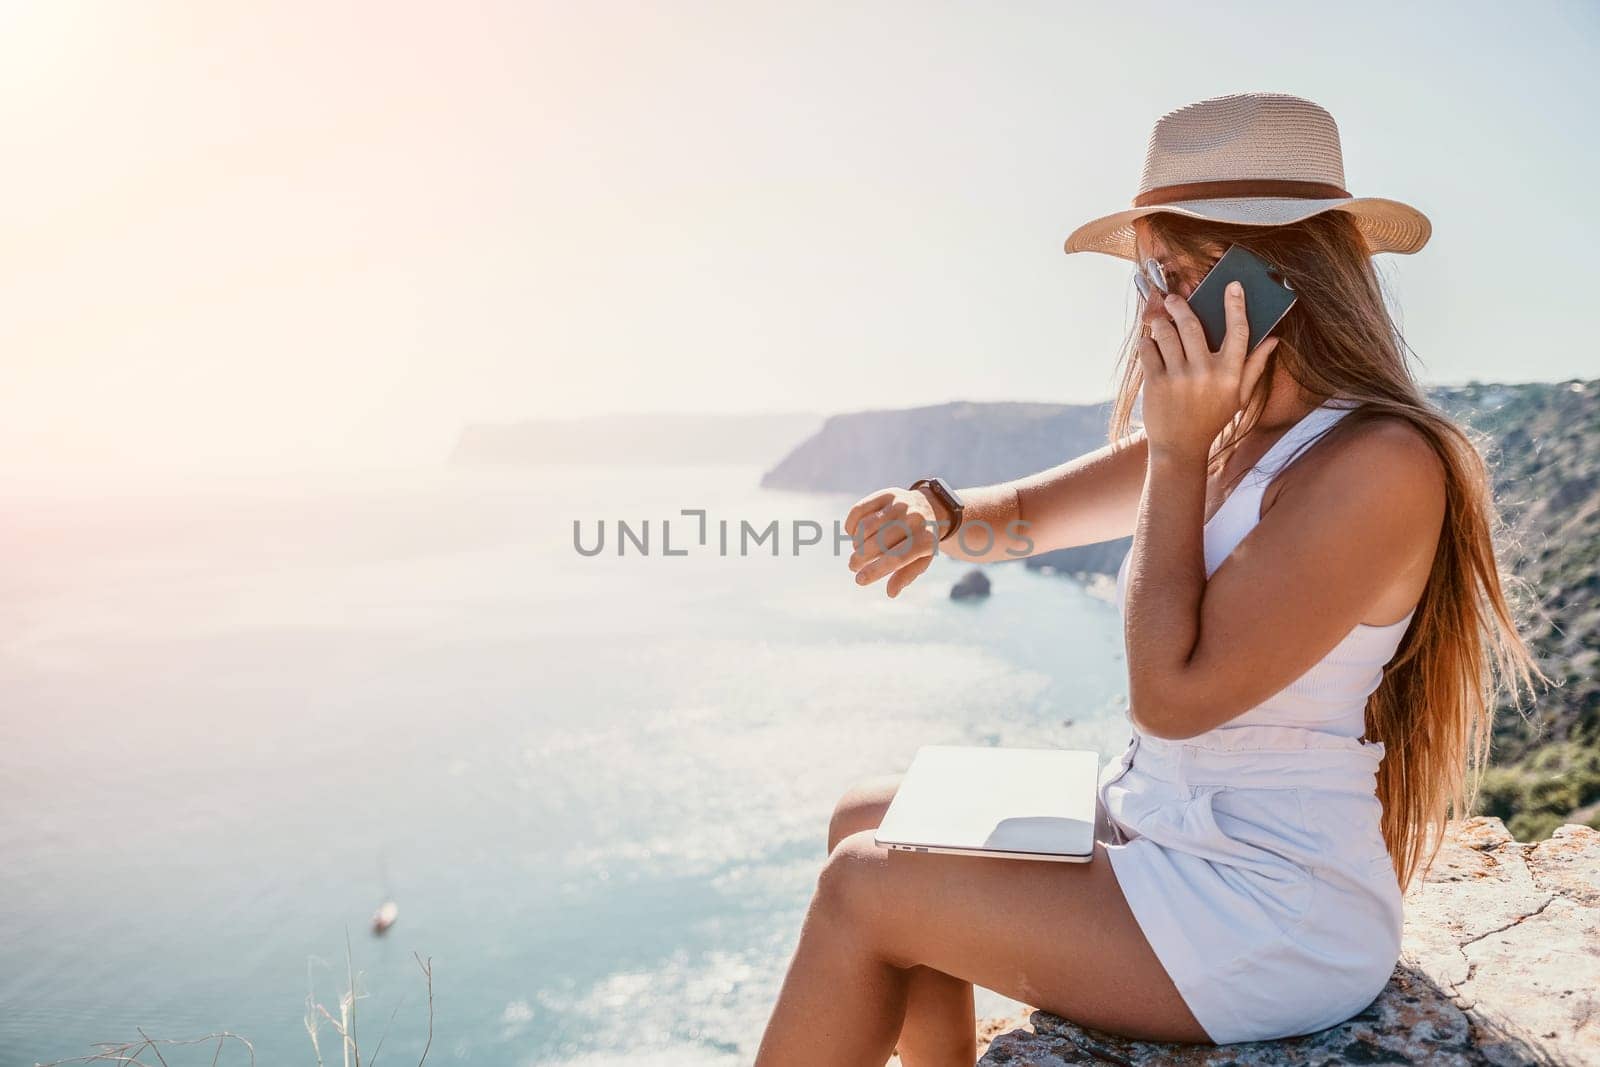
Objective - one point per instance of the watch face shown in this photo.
(947, 494)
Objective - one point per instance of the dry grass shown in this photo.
(134, 1053)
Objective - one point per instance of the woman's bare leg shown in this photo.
(940, 1021)
(1059, 936)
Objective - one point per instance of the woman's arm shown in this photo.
(1092, 498)
(1360, 519)
(1085, 500)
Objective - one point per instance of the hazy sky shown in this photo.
(308, 234)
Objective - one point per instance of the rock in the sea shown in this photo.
(974, 583)
(1500, 966)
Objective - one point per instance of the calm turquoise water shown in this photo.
(597, 788)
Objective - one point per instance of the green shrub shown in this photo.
(1534, 825)
(1557, 794)
(1586, 781)
(1500, 792)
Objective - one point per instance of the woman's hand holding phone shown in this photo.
(1191, 392)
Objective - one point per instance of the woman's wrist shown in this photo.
(946, 517)
(941, 514)
(1178, 452)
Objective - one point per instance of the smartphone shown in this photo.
(1267, 296)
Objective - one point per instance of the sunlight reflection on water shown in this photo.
(599, 788)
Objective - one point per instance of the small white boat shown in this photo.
(384, 917)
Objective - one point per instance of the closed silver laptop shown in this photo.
(1015, 803)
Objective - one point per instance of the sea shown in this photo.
(593, 769)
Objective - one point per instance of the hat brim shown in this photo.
(1387, 225)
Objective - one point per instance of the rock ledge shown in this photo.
(1500, 965)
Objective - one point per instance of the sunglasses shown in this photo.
(1150, 277)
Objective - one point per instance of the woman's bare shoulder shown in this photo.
(1379, 458)
(1397, 447)
(1381, 443)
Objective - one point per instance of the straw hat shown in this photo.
(1263, 159)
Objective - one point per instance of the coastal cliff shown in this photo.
(1500, 965)
(965, 443)
(1542, 441)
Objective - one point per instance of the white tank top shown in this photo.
(1331, 697)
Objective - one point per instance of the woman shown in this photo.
(1314, 624)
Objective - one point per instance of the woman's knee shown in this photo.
(861, 807)
(849, 885)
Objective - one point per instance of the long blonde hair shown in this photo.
(1435, 706)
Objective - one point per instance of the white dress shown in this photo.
(1251, 854)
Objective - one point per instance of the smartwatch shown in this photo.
(940, 490)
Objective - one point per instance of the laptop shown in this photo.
(1016, 803)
